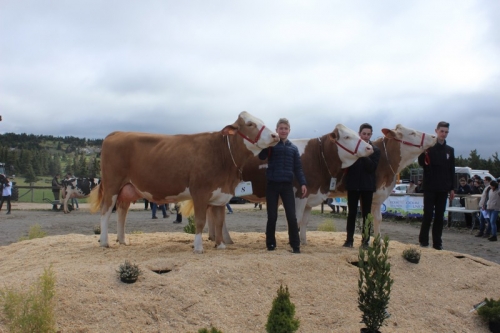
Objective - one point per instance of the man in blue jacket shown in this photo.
(439, 171)
(282, 165)
(360, 185)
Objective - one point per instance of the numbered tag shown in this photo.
(243, 188)
(333, 184)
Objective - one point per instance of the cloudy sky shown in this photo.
(87, 68)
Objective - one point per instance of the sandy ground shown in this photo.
(233, 289)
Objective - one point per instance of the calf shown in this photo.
(77, 188)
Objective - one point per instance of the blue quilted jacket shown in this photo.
(283, 163)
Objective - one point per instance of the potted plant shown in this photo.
(129, 273)
(374, 283)
(412, 255)
(490, 312)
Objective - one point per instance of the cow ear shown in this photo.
(334, 135)
(388, 133)
(229, 130)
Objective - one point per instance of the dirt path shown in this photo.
(244, 219)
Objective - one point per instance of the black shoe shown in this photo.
(438, 247)
(271, 247)
(492, 238)
(296, 250)
(479, 234)
(177, 221)
(154, 218)
(424, 244)
(8, 213)
(348, 244)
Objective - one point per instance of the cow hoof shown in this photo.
(222, 246)
(198, 251)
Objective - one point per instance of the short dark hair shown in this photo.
(488, 178)
(443, 124)
(494, 183)
(365, 125)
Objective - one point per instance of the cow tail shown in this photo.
(96, 199)
(186, 208)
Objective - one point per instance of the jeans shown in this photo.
(229, 208)
(484, 223)
(434, 204)
(274, 191)
(365, 198)
(493, 222)
(154, 207)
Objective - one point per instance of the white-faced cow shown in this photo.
(77, 188)
(204, 168)
(322, 159)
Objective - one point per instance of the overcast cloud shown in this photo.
(87, 68)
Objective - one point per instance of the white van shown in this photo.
(469, 173)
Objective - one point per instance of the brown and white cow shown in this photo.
(204, 168)
(77, 188)
(322, 159)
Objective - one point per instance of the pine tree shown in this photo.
(281, 318)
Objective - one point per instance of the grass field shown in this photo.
(36, 195)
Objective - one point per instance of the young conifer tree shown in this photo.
(281, 318)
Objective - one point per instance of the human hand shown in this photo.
(304, 191)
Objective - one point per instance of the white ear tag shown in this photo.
(242, 189)
(333, 184)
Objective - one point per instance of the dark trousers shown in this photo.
(274, 191)
(434, 204)
(365, 198)
(468, 216)
(57, 196)
(5, 198)
(178, 217)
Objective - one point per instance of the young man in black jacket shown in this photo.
(283, 163)
(439, 171)
(360, 185)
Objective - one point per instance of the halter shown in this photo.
(348, 150)
(412, 144)
(254, 141)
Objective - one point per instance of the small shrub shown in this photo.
(374, 283)
(34, 232)
(281, 318)
(328, 226)
(190, 228)
(129, 272)
(31, 309)
(97, 229)
(490, 311)
(212, 330)
(412, 254)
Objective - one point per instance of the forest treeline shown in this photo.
(33, 156)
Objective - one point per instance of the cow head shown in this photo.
(255, 134)
(350, 145)
(412, 142)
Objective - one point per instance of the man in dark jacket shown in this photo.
(56, 190)
(439, 171)
(360, 185)
(282, 165)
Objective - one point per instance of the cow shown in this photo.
(77, 188)
(399, 148)
(322, 158)
(203, 167)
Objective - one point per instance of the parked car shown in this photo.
(237, 200)
(400, 188)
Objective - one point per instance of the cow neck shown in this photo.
(340, 173)
(387, 155)
(322, 152)
(232, 157)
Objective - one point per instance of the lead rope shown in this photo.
(324, 159)
(387, 156)
(231, 153)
